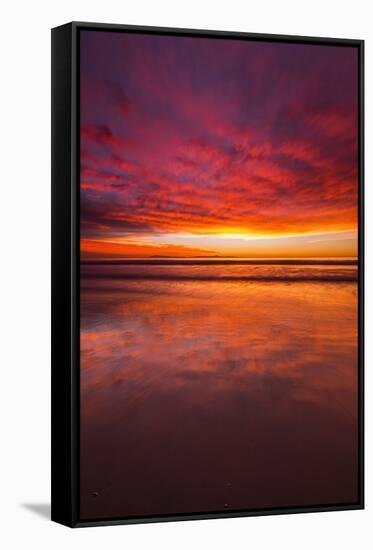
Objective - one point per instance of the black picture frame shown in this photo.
(65, 272)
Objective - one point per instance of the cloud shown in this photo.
(202, 136)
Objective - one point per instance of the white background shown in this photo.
(25, 273)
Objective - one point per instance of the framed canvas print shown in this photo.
(207, 274)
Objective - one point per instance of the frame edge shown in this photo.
(62, 465)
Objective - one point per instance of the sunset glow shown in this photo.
(219, 275)
(215, 147)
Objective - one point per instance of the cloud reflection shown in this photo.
(201, 396)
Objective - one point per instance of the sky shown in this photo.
(214, 147)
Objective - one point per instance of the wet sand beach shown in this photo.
(217, 386)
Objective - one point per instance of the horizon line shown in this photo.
(203, 260)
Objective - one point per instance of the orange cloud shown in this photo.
(107, 249)
(199, 146)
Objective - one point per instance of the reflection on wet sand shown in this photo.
(216, 395)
